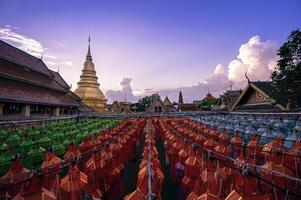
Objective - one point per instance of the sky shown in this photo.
(144, 47)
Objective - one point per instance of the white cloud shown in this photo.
(31, 46)
(25, 43)
(67, 63)
(255, 57)
(12, 27)
(50, 56)
(126, 92)
(219, 69)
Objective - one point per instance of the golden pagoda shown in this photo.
(88, 86)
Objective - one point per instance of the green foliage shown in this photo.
(287, 75)
(207, 104)
(144, 103)
(32, 142)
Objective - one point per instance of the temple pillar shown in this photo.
(56, 111)
(25, 110)
(1, 109)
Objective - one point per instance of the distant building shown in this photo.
(158, 106)
(180, 98)
(28, 88)
(121, 107)
(185, 106)
(168, 106)
(209, 97)
(88, 86)
(257, 97)
(227, 100)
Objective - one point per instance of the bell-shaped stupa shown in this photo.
(88, 86)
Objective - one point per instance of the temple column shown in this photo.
(56, 111)
(25, 110)
(1, 109)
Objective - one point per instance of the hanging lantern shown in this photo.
(86, 147)
(50, 167)
(192, 166)
(187, 183)
(276, 178)
(273, 151)
(15, 175)
(253, 150)
(73, 183)
(236, 143)
(72, 152)
(292, 159)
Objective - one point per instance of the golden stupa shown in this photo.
(88, 86)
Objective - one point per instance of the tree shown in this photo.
(286, 78)
(207, 104)
(144, 103)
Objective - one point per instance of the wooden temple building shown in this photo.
(120, 107)
(185, 107)
(88, 86)
(28, 88)
(226, 101)
(257, 97)
(159, 106)
(209, 97)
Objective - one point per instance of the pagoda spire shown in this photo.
(180, 97)
(88, 85)
(89, 56)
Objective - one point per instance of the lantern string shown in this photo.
(233, 160)
(54, 167)
(224, 158)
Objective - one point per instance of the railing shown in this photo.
(10, 122)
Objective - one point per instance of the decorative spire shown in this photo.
(89, 51)
(180, 97)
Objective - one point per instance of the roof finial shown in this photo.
(247, 78)
(89, 51)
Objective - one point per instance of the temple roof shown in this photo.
(22, 58)
(14, 91)
(60, 80)
(265, 89)
(187, 107)
(26, 79)
(209, 97)
(167, 102)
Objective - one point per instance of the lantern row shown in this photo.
(273, 150)
(150, 176)
(102, 160)
(208, 172)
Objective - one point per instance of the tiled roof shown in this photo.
(59, 79)
(167, 101)
(187, 106)
(26, 79)
(15, 91)
(266, 87)
(13, 71)
(22, 58)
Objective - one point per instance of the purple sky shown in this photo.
(159, 45)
